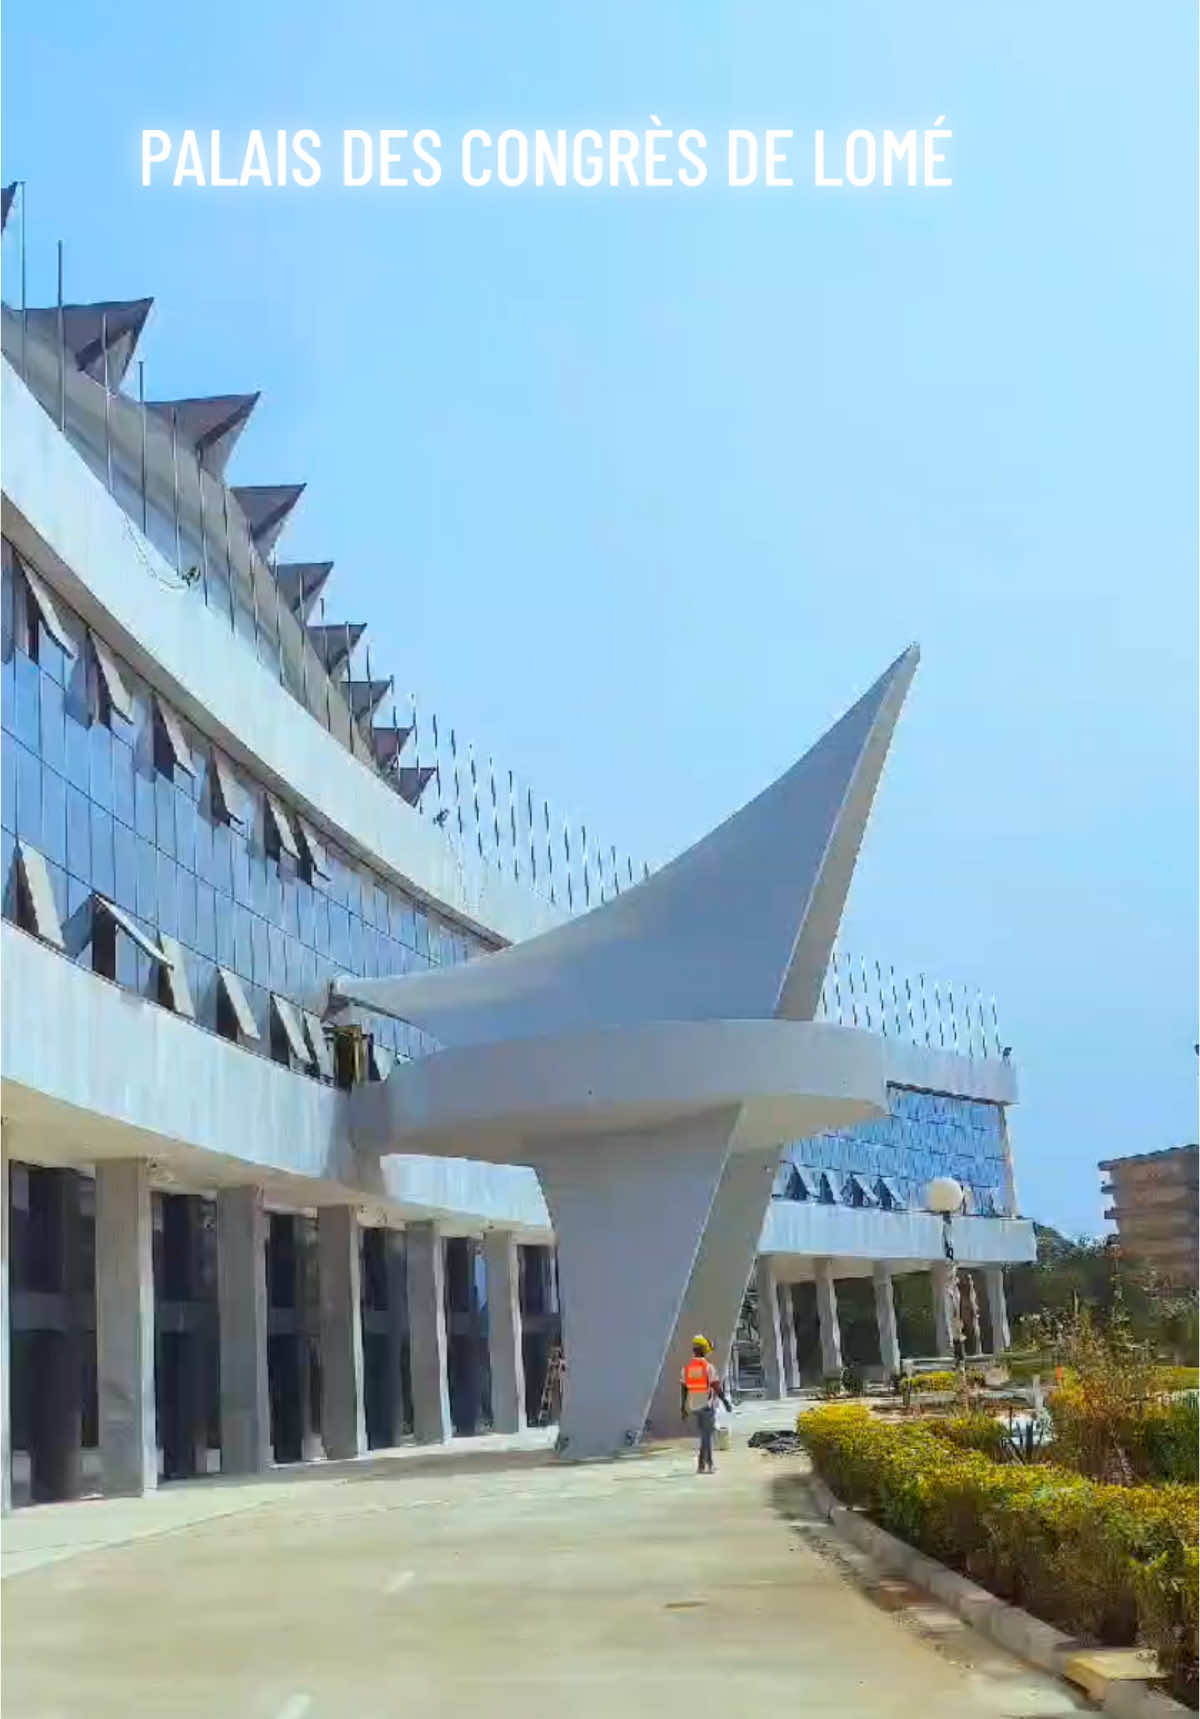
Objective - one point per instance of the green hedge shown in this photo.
(1117, 1563)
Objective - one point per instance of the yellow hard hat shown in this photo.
(700, 1341)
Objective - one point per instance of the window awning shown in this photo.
(44, 603)
(285, 1014)
(39, 895)
(894, 1198)
(829, 1193)
(322, 1055)
(173, 729)
(243, 1014)
(225, 784)
(313, 846)
(809, 1182)
(858, 1185)
(280, 821)
(131, 928)
(175, 974)
(119, 695)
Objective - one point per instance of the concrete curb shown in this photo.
(1027, 1637)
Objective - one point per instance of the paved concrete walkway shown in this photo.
(489, 1582)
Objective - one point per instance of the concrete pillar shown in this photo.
(787, 1332)
(5, 1348)
(942, 1279)
(504, 1331)
(242, 1312)
(125, 1327)
(339, 1270)
(827, 1317)
(427, 1333)
(629, 1211)
(997, 1309)
(885, 1318)
(770, 1332)
(397, 1328)
(712, 1302)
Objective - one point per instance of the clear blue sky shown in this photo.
(640, 489)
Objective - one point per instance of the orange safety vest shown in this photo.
(697, 1378)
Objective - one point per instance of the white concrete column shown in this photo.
(125, 1327)
(629, 1211)
(427, 1333)
(787, 1332)
(339, 1272)
(770, 1334)
(504, 1331)
(242, 1313)
(942, 1279)
(724, 1261)
(5, 1354)
(885, 1318)
(827, 1317)
(997, 1309)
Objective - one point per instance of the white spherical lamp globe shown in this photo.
(944, 1195)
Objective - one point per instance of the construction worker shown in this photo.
(700, 1389)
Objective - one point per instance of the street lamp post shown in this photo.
(945, 1196)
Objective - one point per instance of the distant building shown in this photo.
(1155, 1210)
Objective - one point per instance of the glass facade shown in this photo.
(927, 1134)
(105, 803)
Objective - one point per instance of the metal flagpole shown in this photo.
(512, 824)
(175, 489)
(62, 347)
(229, 574)
(203, 529)
(142, 415)
(24, 297)
(278, 617)
(253, 587)
(328, 706)
(107, 413)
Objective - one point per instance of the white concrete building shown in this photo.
(242, 1226)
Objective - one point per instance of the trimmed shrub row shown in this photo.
(1117, 1563)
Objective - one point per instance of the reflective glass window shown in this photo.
(29, 797)
(206, 933)
(100, 765)
(143, 800)
(103, 876)
(78, 835)
(53, 725)
(124, 868)
(147, 878)
(164, 815)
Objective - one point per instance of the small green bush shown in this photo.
(1117, 1563)
(975, 1432)
(1150, 1440)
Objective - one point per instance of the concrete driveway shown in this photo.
(480, 1582)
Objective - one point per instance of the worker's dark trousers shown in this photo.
(705, 1420)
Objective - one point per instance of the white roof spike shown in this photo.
(738, 927)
